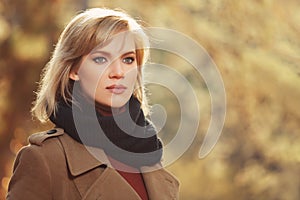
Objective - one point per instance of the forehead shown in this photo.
(119, 43)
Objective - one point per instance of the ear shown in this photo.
(74, 74)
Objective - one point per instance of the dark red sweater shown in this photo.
(134, 177)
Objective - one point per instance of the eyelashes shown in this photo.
(128, 60)
(100, 60)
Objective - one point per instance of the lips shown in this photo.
(116, 89)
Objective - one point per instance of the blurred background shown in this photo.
(256, 46)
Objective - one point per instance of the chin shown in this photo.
(117, 101)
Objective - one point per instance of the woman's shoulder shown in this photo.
(40, 138)
(44, 151)
(42, 145)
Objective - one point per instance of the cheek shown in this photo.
(131, 75)
(90, 79)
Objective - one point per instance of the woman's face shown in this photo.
(109, 72)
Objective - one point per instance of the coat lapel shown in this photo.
(160, 184)
(90, 171)
(110, 185)
(79, 159)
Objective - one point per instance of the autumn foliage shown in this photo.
(256, 46)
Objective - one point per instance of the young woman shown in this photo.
(102, 146)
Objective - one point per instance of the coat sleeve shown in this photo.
(31, 176)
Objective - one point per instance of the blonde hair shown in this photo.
(84, 32)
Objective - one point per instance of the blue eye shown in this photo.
(99, 60)
(128, 60)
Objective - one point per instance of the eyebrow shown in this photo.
(109, 54)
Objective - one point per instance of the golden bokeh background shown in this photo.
(256, 46)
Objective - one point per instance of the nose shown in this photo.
(116, 70)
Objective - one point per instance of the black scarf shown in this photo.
(127, 137)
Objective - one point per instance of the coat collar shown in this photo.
(80, 158)
(159, 183)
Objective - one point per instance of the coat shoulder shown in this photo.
(39, 138)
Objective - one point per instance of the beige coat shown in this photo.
(56, 167)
